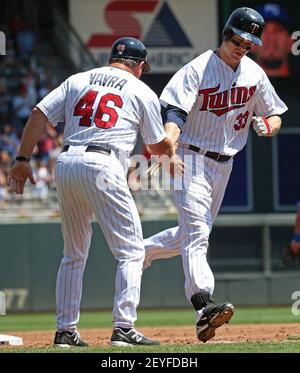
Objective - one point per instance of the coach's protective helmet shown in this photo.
(132, 49)
(246, 23)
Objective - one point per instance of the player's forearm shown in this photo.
(33, 131)
(275, 122)
(173, 132)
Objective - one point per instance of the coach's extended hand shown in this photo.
(17, 178)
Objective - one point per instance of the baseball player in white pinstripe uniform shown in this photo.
(210, 104)
(103, 109)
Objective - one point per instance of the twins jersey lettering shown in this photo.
(220, 101)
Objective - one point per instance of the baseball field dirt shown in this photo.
(174, 335)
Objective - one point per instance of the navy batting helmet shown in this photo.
(246, 23)
(130, 48)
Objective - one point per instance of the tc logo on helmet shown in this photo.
(121, 48)
(253, 28)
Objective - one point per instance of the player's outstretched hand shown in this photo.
(176, 166)
(16, 180)
(153, 169)
(261, 126)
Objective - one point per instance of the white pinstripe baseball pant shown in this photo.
(78, 179)
(198, 204)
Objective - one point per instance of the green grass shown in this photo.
(46, 321)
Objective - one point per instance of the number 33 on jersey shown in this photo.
(220, 101)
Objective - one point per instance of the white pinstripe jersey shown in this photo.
(220, 101)
(106, 106)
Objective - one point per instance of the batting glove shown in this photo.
(261, 126)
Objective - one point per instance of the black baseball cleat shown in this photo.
(214, 316)
(68, 339)
(132, 337)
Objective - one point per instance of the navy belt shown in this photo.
(90, 148)
(216, 156)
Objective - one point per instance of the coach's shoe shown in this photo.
(214, 316)
(68, 339)
(132, 337)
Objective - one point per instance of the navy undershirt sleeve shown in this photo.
(174, 114)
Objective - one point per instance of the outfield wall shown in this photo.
(244, 259)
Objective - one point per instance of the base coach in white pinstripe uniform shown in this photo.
(103, 109)
(210, 104)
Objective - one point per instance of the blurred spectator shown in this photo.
(9, 140)
(44, 89)
(5, 101)
(291, 253)
(5, 160)
(273, 56)
(3, 191)
(5, 164)
(12, 71)
(10, 50)
(23, 82)
(295, 242)
(22, 106)
(42, 177)
(30, 84)
(45, 146)
(25, 40)
(16, 24)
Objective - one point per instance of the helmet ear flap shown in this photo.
(227, 34)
